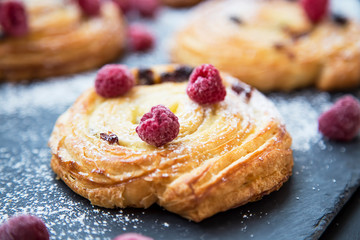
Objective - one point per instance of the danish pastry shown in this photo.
(61, 40)
(271, 45)
(180, 3)
(225, 155)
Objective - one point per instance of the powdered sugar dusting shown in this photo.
(55, 93)
(300, 112)
(44, 197)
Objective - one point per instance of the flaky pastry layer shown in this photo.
(225, 155)
(271, 45)
(62, 41)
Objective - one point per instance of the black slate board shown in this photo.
(346, 225)
(325, 173)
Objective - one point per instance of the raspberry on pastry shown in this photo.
(224, 155)
(90, 7)
(13, 18)
(273, 45)
(159, 126)
(146, 8)
(205, 85)
(113, 80)
(124, 5)
(316, 10)
(60, 39)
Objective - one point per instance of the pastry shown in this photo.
(272, 45)
(225, 154)
(180, 3)
(61, 40)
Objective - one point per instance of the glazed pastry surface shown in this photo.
(61, 41)
(225, 155)
(271, 45)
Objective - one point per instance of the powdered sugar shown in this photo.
(300, 112)
(43, 196)
(53, 94)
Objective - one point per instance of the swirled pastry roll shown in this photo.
(225, 155)
(180, 3)
(61, 40)
(271, 45)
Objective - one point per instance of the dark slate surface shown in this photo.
(346, 225)
(325, 173)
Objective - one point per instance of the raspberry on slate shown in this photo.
(13, 18)
(113, 80)
(205, 85)
(316, 10)
(140, 39)
(132, 236)
(90, 7)
(159, 126)
(24, 227)
(146, 8)
(342, 121)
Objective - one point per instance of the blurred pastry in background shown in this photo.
(180, 3)
(49, 38)
(273, 45)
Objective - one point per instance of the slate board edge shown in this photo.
(325, 221)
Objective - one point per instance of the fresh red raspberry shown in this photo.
(316, 10)
(342, 121)
(132, 236)
(124, 5)
(140, 38)
(205, 85)
(147, 8)
(90, 7)
(24, 227)
(13, 18)
(113, 80)
(159, 126)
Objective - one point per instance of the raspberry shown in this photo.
(316, 10)
(140, 38)
(147, 8)
(132, 236)
(90, 7)
(342, 121)
(24, 227)
(159, 126)
(13, 18)
(124, 5)
(205, 85)
(113, 80)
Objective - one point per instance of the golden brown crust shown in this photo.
(225, 155)
(62, 41)
(271, 45)
(180, 3)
